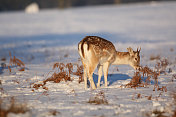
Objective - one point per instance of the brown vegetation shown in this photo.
(13, 108)
(54, 112)
(173, 77)
(62, 73)
(138, 79)
(79, 73)
(3, 59)
(173, 95)
(161, 65)
(157, 57)
(17, 62)
(98, 99)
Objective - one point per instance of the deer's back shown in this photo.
(103, 50)
(98, 44)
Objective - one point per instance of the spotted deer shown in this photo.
(101, 53)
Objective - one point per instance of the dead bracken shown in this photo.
(138, 79)
(62, 73)
(79, 73)
(157, 57)
(161, 65)
(13, 108)
(17, 62)
(98, 99)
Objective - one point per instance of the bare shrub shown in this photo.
(173, 95)
(171, 49)
(157, 57)
(69, 66)
(58, 77)
(37, 86)
(54, 112)
(136, 81)
(158, 113)
(173, 77)
(149, 97)
(163, 88)
(98, 99)
(161, 65)
(17, 62)
(3, 59)
(79, 73)
(62, 73)
(139, 96)
(13, 108)
(45, 93)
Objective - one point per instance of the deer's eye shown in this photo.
(136, 59)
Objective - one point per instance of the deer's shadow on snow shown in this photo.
(112, 78)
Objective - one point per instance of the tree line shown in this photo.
(8, 5)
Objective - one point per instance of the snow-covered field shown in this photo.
(50, 36)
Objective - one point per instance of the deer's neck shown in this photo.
(121, 58)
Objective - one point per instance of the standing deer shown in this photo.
(98, 52)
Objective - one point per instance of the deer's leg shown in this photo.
(85, 75)
(90, 73)
(105, 70)
(85, 79)
(99, 75)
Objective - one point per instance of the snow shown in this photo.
(52, 36)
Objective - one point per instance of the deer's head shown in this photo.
(134, 59)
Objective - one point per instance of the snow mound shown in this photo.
(32, 8)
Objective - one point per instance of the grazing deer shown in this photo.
(96, 51)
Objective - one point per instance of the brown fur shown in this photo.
(122, 54)
(102, 53)
(97, 42)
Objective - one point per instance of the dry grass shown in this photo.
(159, 113)
(54, 112)
(3, 59)
(161, 65)
(140, 96)
(171, 49)
(138, 79)
(153, 57)
(173, 95)
(170, 112)
(62, 72)
(58, 77)
(156, 113)
(13, 108)
(17, 62)
(79, 73)
(149, 97)
(98, 99)
(173, 77)
(163, 88)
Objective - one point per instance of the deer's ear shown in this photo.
(138, 50)
(130, 50)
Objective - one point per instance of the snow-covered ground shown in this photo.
(52, 36)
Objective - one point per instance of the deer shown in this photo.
(98, 52)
